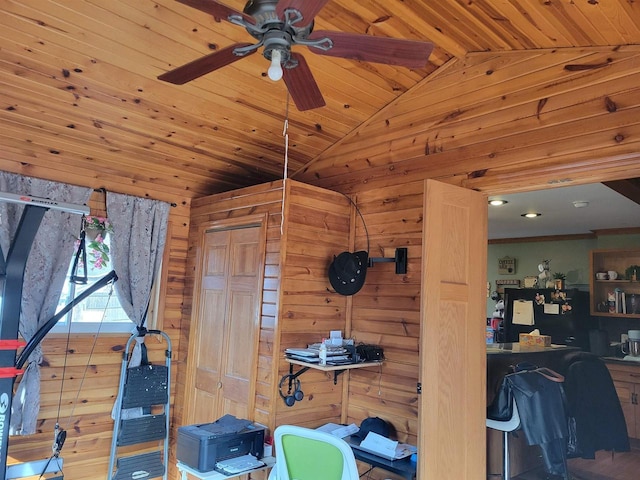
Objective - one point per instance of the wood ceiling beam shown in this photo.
(629, 188)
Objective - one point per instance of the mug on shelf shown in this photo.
(602, 275)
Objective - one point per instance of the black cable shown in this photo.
(361, 218)
(367, 473)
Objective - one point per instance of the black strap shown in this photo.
(144, 358)
(80, 260)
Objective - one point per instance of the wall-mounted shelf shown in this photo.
(336, 369)
(603, 294)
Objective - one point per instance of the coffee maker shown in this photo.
(632, 348)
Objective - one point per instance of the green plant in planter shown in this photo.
(96, 229)
(632, 273)
(558, 279)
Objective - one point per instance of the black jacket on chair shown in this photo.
(541, 407)
(593, 402)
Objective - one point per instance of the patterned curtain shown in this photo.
(45, 274)
(137, 243)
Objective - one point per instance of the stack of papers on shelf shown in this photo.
(340, 431)
(311, 354)
(331, 349)
(384, 447)
(302, 352)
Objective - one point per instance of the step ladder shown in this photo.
(144, 390)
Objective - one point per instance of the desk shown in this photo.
(403, 467)
(213, 475)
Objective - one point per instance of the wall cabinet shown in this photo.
(626, 378)
(619, 297)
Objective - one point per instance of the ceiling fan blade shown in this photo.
(218, 10)
(204, 65)
(308, 8)
(392, 51)
(302, 86)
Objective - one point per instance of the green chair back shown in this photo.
(309, 459)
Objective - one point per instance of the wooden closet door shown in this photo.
(222, 369)
(452, 406)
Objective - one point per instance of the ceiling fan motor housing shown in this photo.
(277, 40)
(263, 11)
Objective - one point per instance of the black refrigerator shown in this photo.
(563, 315)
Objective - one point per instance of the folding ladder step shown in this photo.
(139, 467)
(141, 417)
(145, 385)
(142, 429)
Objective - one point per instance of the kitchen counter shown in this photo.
(635, 361)
(517, 348)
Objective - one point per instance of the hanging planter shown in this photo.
(96, 230)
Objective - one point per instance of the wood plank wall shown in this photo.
(317, 227)
(387, 310)
(298, 307)
(91, 381)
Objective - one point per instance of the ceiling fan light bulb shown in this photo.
(275, 70)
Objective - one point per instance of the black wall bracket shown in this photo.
(400, 260)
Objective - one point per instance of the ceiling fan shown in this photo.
(277, 25)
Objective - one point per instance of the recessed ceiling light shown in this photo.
(531, 215)
(497, 202)
(580, 203)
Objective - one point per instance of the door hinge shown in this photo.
(419, 388)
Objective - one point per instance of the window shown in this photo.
(101, 311)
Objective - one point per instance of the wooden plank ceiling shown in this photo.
(80, 97)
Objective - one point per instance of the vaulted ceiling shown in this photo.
(508, 83)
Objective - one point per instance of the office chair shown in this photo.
(306, 454)
(506, 426)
